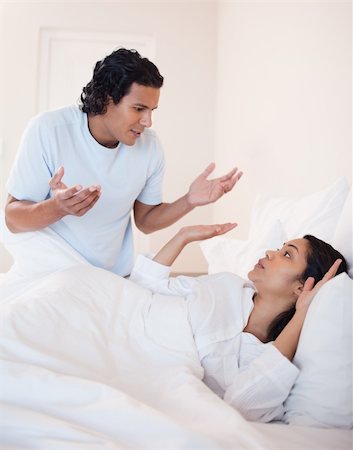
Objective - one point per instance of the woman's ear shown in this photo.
(298, 289)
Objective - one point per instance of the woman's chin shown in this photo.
(250, 274)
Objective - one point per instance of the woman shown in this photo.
(247, 333)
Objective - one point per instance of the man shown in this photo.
(111, 162)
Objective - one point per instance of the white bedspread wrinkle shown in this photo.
(89, 360)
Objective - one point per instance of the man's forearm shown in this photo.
(163, 215)
(24, 215)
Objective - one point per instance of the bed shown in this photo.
(89, 362)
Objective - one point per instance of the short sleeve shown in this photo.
(152, 191)
(30, 175)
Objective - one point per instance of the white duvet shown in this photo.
(90, 360)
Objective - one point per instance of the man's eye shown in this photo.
(138, 109)
(287, 255)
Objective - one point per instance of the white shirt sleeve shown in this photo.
(30, 175)
(155, 277)
(152, 191)
(259, 389)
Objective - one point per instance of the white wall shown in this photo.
(264, 85)
(284, 99)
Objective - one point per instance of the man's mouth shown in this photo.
(136, 133)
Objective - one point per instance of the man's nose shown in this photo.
(146, 119)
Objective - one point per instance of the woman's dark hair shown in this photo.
(320, 258)
(113, 77)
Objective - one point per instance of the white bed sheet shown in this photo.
(292, 437)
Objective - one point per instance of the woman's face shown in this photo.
(278, 273)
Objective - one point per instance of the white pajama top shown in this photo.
(252, 376)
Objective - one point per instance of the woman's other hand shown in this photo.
(309, 290)
(172, 249)
(202, 232)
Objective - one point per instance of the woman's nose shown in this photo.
(269, 254)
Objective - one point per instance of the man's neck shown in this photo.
(97, 131)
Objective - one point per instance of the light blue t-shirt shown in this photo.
(126, 173)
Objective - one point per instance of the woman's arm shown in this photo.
(261, 386)
(154, 275)
(287, 341)
(168, 254)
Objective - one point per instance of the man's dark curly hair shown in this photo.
(113, 77)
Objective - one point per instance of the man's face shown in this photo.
(124, 122)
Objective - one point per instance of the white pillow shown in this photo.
(273, 221)
(342, 239)
(315, 214)
(239, 256)
(322, 394)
